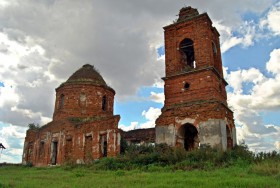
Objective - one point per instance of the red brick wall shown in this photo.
(76, 131)
(91, 105)
(201, 32)
(204, 85)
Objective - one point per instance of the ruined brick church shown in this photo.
(195, 111)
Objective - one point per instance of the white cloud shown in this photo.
(273, 65)
(272, 19)
(132, 126)
(277, 145)
(150, 115)
(262, 97)
(157, 97)
(238, 78)
(12, 137)
(246, 30)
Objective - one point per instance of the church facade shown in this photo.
(195, 112)
(83, 127)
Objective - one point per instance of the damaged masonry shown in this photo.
(195, 111)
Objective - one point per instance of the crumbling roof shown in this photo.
(87, 73)
(187, 13)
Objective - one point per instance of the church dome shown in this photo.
(84, 94)
(87, 73)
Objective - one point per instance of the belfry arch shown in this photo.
(187, 52)
(188, 135)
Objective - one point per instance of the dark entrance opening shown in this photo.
(103, 145)
(105, 149)
(54, 153)
(187, 52)
(188, 134)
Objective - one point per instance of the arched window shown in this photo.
(187, 52)
(61, 101)
(104, 103)
(214, 48)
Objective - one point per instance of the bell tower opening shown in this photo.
(188, 135)
(187, 53)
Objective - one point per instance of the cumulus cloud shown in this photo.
(277, 145)
(150, 115)
(246, 37)
(272, 20)
(12, 137)
(26, 82)
(157, 97)
(273, 65)
(132, 126)
(263, 96)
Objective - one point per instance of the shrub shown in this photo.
(152, 158)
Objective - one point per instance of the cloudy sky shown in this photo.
(42, 42)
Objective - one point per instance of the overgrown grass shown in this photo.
(141, 157)
(160, 166)
(153, 176)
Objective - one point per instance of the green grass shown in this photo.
(159, 166)
(152, 176)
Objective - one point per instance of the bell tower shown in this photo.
(195, 111)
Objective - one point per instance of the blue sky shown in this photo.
(125, 43)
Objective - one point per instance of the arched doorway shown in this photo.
(188, 135)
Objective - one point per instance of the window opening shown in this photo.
(54, 153)
(104, 103)
(103, 145)
(187, 52)
(186, 86)
(214, 48)
(61, 101)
